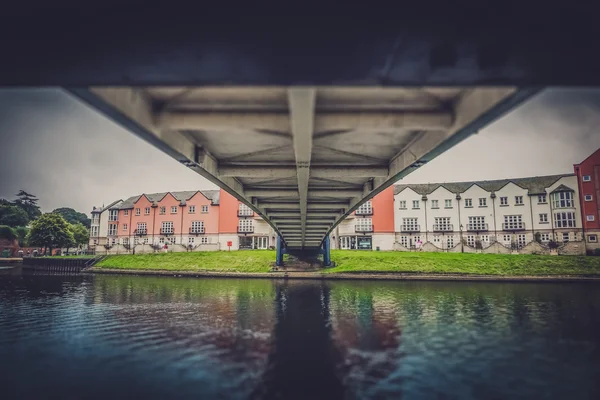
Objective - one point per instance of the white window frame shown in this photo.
(507, 239)
(137, 212)
(161, 240)
(204, 240)
(192, 209)
(162, 210)
(477, 222)
(566, 237)
(245, 225)
(126, 241)
(564, 219)
(504, 200)
(468, 202)
(544, 237)
(204, 209)
(113, 215)
(364, 224)
(482, 202)
(448, 203)
(126, 213)
(588, 197)
(142, 227)
(410, 224)
(166, 228)
(147, 211)
(590, 218)
(542, 199)
(521, 240)
(174, 209)
(404, 241)
(191, 239)
(519, 201)
(442, 223)
(435, 204)
(402, 204)
(563, 200)
(125, 227)
(587, 178)
(197, 226)
(513, 222)
(449, 242)
(112, 229)
(365, 209)
(471, 240)
(416, 204)
(593, 238)
(543, 218)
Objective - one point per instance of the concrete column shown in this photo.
(326, 252)
(280, 252)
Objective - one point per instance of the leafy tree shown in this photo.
(73, 217)
(80, 234)
(7, 232)
(51, 231)
(13, 216)
(28, 203)
(22, 233)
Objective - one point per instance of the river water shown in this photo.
(158, 337)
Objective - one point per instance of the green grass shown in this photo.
(462, 263)
(219, 261)
(353, 261)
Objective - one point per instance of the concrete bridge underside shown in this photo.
(303, 157)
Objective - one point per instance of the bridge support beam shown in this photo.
(280, 252)
(326, 251)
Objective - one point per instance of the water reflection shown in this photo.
(120, 336)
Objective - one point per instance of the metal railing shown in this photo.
(363, 228)
(245, 213)
(364, 211)
(245, 229)
(477, 227)
(140, 232)
(166, 232)
(410, 228)
(197, 230)
(513, 226)
(443, 227)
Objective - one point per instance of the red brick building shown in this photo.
(588, 179)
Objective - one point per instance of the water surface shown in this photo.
(158, 337)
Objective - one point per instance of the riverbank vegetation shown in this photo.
(353, 261)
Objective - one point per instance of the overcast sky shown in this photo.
(70, 156)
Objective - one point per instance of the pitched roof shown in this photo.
(563, 188)
(534, 185)
(101, 209)
(183, 196)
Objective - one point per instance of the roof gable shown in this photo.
(562, 188)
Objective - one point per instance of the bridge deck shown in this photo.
(303, 157)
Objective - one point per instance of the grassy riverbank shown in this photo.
(347, 261)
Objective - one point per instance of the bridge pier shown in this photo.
(326, 251)
(280, 252)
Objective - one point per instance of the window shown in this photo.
(592, 238)
(244, 210)
(112, 229)
(504, 201)
(191, 240)
(173, 209)
(125, 227)
(468, 202)
(161, 240)
(544, 237)
(114, 241)
(562, 200)
(477, 224)
(436, 239)
(482, 202)
(587, 197)
(204, 240)
(245, 225)
(404, 241)
(435, 204)
(172, 239)
(565, 237)
(364, 225)
(197, 227)
(542, 199)
(94, 231)
(442, 224)
(402, 204)
(141, 228)
(448, 203)
(163, 210)
(126, 213)
(415, 204)
(95, 241)
(95, 219)
(191, 209)
(518, 200)
(450, 242)
(204, 209)
(365, 209)
(590, 217)
(147, 211)
(564, 220)
(485, 238)
(543, 218)
(166, 228)
(136, 241)
(471, 240)
(113, 215)
(506, 239)
(521, 240)
(137, 211)
(512, 222)
(587, 178)
(146, 240)
(126, 241)
(410, 224)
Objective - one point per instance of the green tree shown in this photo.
(81, 235)
(22, 233)
(73, 217)
(7, 232)
(51, 231)
(13, 216)
(28, 203)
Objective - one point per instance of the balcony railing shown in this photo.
(477, 227)
(364, 211)
(140, 232)
(363, 228)
(199, 230)
(245, 213)
(513, 226)
(443, 227)
(410, 228)
(245, 229)
(166, 232)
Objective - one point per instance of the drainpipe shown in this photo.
(493, 196)
(424, 198)
(153, 221)
(462, 247)
(181, 227)
(129, 230)
(552, 218)
(581, 205)
(531, 211)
